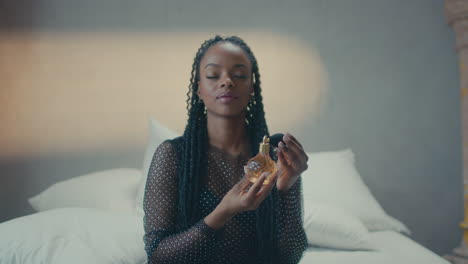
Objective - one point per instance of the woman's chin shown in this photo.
(228, 113)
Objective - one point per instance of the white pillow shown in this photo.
(333, 227)
(112, 190)
(73, 236)
(157, 134)
(333, 179)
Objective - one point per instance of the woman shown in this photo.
(199, 206)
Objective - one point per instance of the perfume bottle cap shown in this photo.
(265, 146)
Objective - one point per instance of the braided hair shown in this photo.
(195, 145)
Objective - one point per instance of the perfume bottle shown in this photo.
(261, 163)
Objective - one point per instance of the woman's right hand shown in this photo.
(241, 198)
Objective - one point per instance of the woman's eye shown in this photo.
(211, 77)
(240, 76)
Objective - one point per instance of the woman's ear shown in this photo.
(199, 94)
(252, 80)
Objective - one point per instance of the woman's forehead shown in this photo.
(225, 54)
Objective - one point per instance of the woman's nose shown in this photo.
(227, 82)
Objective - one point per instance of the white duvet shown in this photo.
(93, 236)
(391, 248)
(72, 235)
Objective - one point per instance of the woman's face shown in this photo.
(225, 81)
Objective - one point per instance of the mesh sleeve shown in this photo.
(162, 243)
(292, 239)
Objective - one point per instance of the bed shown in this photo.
(391, 247)
(88, 235)
(98, 218)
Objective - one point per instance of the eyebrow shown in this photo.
(217, 65)
(212, 64)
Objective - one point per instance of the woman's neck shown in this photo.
(228, 134)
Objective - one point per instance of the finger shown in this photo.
(266, 188)
(281, 158)
(290, 137)
(257, 185)
(291, 146)
(301, 151)
(300, 156)
(244, 185)
(283, 146)
(292, 156)
(292, 141)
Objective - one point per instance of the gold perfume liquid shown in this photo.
(261, 163)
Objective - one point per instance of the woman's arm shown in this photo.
(162, 243)
(196, 244)
(292, 239)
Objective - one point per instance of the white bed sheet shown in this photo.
(85, 235)
(392, 248)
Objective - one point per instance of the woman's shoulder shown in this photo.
(168, 152)
(171, 146)
(176, 143)
(176, 140)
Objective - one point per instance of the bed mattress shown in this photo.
(391, 248)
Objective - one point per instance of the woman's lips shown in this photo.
(226, 97)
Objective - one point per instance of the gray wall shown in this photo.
(393, 98)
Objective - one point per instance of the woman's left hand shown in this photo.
(292, 161)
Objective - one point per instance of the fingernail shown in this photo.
(284, 146)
